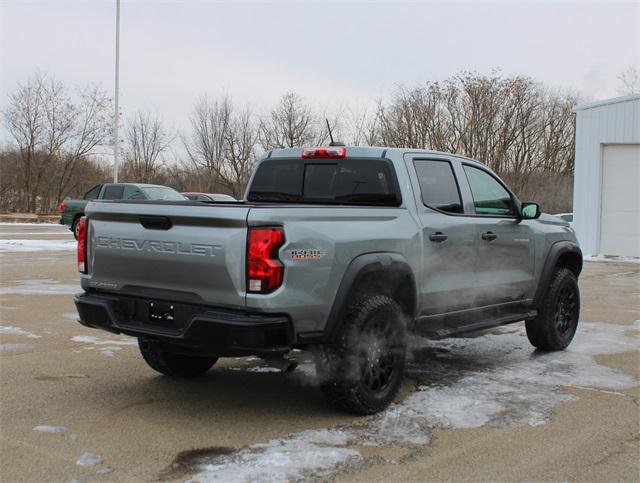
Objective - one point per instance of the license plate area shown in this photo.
(162, 313)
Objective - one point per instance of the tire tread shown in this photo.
(341, 392)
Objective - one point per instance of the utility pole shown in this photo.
(116, 121)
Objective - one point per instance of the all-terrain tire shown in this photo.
(362, 369)
(174, 365)
(554, 327)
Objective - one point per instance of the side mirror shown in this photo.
(530, 211)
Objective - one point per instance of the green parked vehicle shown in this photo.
(71, 210)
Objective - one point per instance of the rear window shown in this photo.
(113, 192)
(340, 181)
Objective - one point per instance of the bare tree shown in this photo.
(354, 125)
(146, 141)
(222, 144)
(291, 123)
(24, 117)
(47, 125)
(90, 128)
(512, 124)
(516, 126)
(629, 81)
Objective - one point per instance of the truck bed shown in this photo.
(196, 253)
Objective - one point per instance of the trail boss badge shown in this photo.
(306, 254)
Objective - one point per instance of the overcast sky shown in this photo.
(330, 53)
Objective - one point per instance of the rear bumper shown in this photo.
(194, 329)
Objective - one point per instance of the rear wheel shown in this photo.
(554, 327)
(364, 366)
(176, 365)
(75, 226)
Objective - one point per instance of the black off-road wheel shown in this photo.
(174, 365)
(363, 368)
(554, 327)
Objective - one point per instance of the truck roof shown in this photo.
(365, 152)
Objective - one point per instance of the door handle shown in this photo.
(489, 236)
(438, 237)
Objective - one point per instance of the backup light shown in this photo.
(328, 152)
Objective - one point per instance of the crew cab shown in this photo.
(72, 210)
(349, 251)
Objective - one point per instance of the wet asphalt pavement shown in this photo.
(76, 403)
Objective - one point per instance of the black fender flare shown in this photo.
(392, 265)
(558, 250)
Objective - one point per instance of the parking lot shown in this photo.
(81, 404)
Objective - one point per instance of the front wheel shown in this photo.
(554, 327)
(175, 365)
(364, 366)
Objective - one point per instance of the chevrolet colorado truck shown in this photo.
(346, 251)
(72, 210)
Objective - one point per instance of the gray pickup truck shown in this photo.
(346, 251)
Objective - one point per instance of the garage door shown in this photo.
(620, 215)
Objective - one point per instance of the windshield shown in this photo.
(162, 193)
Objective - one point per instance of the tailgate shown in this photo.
(171, 251)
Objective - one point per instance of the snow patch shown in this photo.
(89, 459)
(8, 329)
(37, 245)
(316, 452)
(97, 341)
(611, 258)
(44, 428)
(107, 470)
(106, 347)
(30, 233)
(35, 223)
(45, 286)
(495, 379)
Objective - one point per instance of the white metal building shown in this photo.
(606, 199)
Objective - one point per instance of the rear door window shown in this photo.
(343, 181)
(115, 192)
(438, 185)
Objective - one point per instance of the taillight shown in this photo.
(264, 269)
(82, 245)
(62, 207)
(329, 152)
